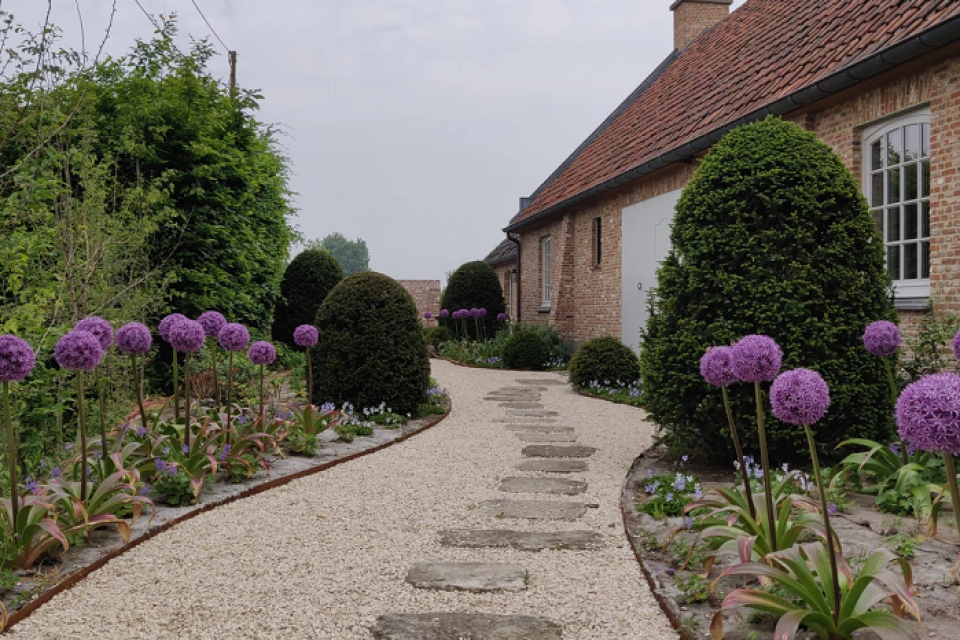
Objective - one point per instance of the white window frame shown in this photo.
(545, 271)
(903, 288)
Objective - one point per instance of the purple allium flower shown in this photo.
(17, 359)
(928, 413)
(799, 396)
(167, 323)
(212, 322)
(427, 315)
(482, 312)
(262, 352)
(79, 350)
(134, 339)
(234, 337)
(474, 313)
(305, 335)
(99, 327)
(882, 338)
(56, 472)
(756, 358)
(187, 336)
(444, 313)
(501, 317)
(716, 366)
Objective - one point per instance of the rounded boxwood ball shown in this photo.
(306, 282)
(526, 350)
(605, 360)
(474, 285)
(371, 347)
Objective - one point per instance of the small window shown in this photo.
(545, 270)
(597, 241)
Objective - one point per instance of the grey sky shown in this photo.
(414, 124)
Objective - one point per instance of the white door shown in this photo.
(645, 245)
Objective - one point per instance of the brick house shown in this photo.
(877, 80)
(503, 260)
(426, 295)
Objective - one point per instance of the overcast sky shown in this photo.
(413, 124)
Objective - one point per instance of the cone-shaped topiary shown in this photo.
(371, 347)
(526, 350)
(605, 360)
(474, 285)
(306, 282)
(772, 236)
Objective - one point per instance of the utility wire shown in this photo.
(209, 25)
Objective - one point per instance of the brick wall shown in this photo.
(506, 274)
(693, 17)
(426, 294)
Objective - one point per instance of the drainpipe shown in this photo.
(516, 241)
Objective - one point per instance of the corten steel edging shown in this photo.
(622, 404)
(74, 578)
(476, 366)
(666, 604)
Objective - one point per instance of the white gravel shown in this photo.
(323, 556)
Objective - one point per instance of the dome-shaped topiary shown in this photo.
(526, 350)
(605, 360)
(371, 347)
(306, 282)
(772, 236)
(474, 285)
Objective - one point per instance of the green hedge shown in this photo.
(306, 282)
(474, 285)
(605, 360)
(526, 350)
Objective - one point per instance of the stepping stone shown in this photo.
(515, 391)
(547, 437)
(477, 577)
(545, 381)
(525, 419)
(543, 485)
(532, 509)
(533, 413)
(521, 405)
(542, 428)
(461, 626)
(513, 398)
(556, 451)
(521, 540)
(552, 466)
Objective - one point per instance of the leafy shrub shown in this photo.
(526, 350)
(559, 350)
(474, 285)
(437, 335)
(306, 282)
(371, 349)
(605, 360)
(771, 236)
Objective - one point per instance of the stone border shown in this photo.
(667, 605)
(74, 578)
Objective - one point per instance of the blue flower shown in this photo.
(224, 452)
(669, 497)
(832, 509)
(145, 490)
(160, 465)
(141, 431)
(185, 449)
(56, 472)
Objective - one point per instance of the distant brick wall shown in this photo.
(693, 17)
(426, 294)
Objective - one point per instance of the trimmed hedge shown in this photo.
(474, 285)
(306, 282)
(372, 347)
(526, 350)
(771, 236)
(605, 360)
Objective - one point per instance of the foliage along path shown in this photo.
(461, 519)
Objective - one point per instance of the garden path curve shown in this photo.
(337, 554)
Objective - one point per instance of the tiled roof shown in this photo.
(761, 53)
(506, 251)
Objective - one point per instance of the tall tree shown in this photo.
(352, 255)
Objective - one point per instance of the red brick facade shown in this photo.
(426, 295)
(507, 275)
(693, 17)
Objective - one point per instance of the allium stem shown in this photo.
(103, 416)
(826, 525)
(904, 456)
(736, 443)
(765, 459)
(176, 387)
(11, 457)
(138, 380)
(262, 411)
(309, 379)
(82, 435)
(186, 398)
(951, 469)
(229, 391)
(216, 377)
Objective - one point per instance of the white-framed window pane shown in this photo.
(911, 142)
(911, 257)
(910, 222)
(876, 189)
(893, 225)
(893, 261)
(894, 147)
(876, 155)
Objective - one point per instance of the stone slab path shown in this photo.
(328, 556)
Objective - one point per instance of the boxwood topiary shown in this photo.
(526, 350)
(437, 335)
(306, 282)
(372, 347)
(605, 360)
(771, 236)
(474, 285)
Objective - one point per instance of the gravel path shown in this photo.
(324, 556)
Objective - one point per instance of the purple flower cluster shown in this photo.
(444, 313)
(79, 350)
(757, 358)
(224, 452)
(501, 317)
(99, 327)
(882, 338)
(165, 467)
(262, 353)
(305, 335)
(234, 337)
(928, 413)
(134, 339)
(212, 322)
(17, 359)
(716, 366)
(427, 315)
(167, 323)
(187, 336)
(799, 396)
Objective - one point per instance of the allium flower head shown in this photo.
(444, 313)
(134, 339)
(262, 352)
(427, 315)
(79, 350)
(882, 338)
(928, 413)
(17, 359)
(482, 313)
(799, 396)
(99, 327)
(234, 337)
(757, 358)
(187, 336)
(167, 323)
(474, 313)
(305, 335)
(716, 366)
(212, 322)
(501, 317)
